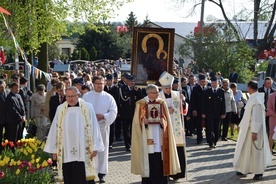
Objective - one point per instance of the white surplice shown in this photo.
(252, 156)
(74, 136)
(105, 104)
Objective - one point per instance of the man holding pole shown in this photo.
(174, 101)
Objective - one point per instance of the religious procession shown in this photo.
(82, 118)
(153, 113)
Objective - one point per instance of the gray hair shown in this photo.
(151, 87)
(72, 88)
(225, 81)
(2, 83)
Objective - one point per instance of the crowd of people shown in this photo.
(82, 113)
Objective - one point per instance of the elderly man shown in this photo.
(267, 90)
(106, 112)
(252, 153)
(174, 102)
(153, 155)
(74, 139)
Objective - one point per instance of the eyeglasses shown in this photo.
(71, 96)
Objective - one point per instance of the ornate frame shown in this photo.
(152, 53)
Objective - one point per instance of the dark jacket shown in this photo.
(3, 107)
(15, 108)
(197, 99)
(233, 77)
(53, 104)
(213, 104)
(127, 100)
(262, 90)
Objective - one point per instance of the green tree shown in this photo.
(93, 53)
(53, 51)
(37, 23)
(103, 39)
(84, 54)
(146, 22)
(75, 55)
(220, 51)
(131, 22)
(263, 10)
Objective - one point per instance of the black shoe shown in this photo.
(128, 150)
(110, 147)
(101, 178)
(224, 139)
(258, 176)
(119, 139)
(239, 174)
(198, 142)
(189, 134)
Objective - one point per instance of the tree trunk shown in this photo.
(43, 61)
(255, 22)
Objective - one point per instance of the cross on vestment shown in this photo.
(74, 151)
(153, 114)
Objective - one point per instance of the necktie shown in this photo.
(215, 90)
(60, 99)
(266, 97)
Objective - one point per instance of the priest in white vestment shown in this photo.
(252, 153)
(106, 111)
(174, 102)
(74, 139)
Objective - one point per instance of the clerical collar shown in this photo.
(77, 105)
(168, 96)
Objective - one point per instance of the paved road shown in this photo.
(204, 166)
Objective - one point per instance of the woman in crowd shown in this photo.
(37, 112)
(230, 107)
(240, 103)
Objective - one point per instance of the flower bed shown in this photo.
(25, 163)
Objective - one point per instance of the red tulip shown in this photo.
(11, 144)
(2, 174)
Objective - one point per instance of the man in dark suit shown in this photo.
(233, 76)
(196, 105)
(3, 95)
(113, 91)
(25, 94)
(15, 114)
(129, 94)
(56, 100)
(190, 127)
(267, 90)
(213, 109)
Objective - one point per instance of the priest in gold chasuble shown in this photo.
(153, 154)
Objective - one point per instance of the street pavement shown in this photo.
(204, 166)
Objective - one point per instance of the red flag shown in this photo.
(4, 11)
(2, 55)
